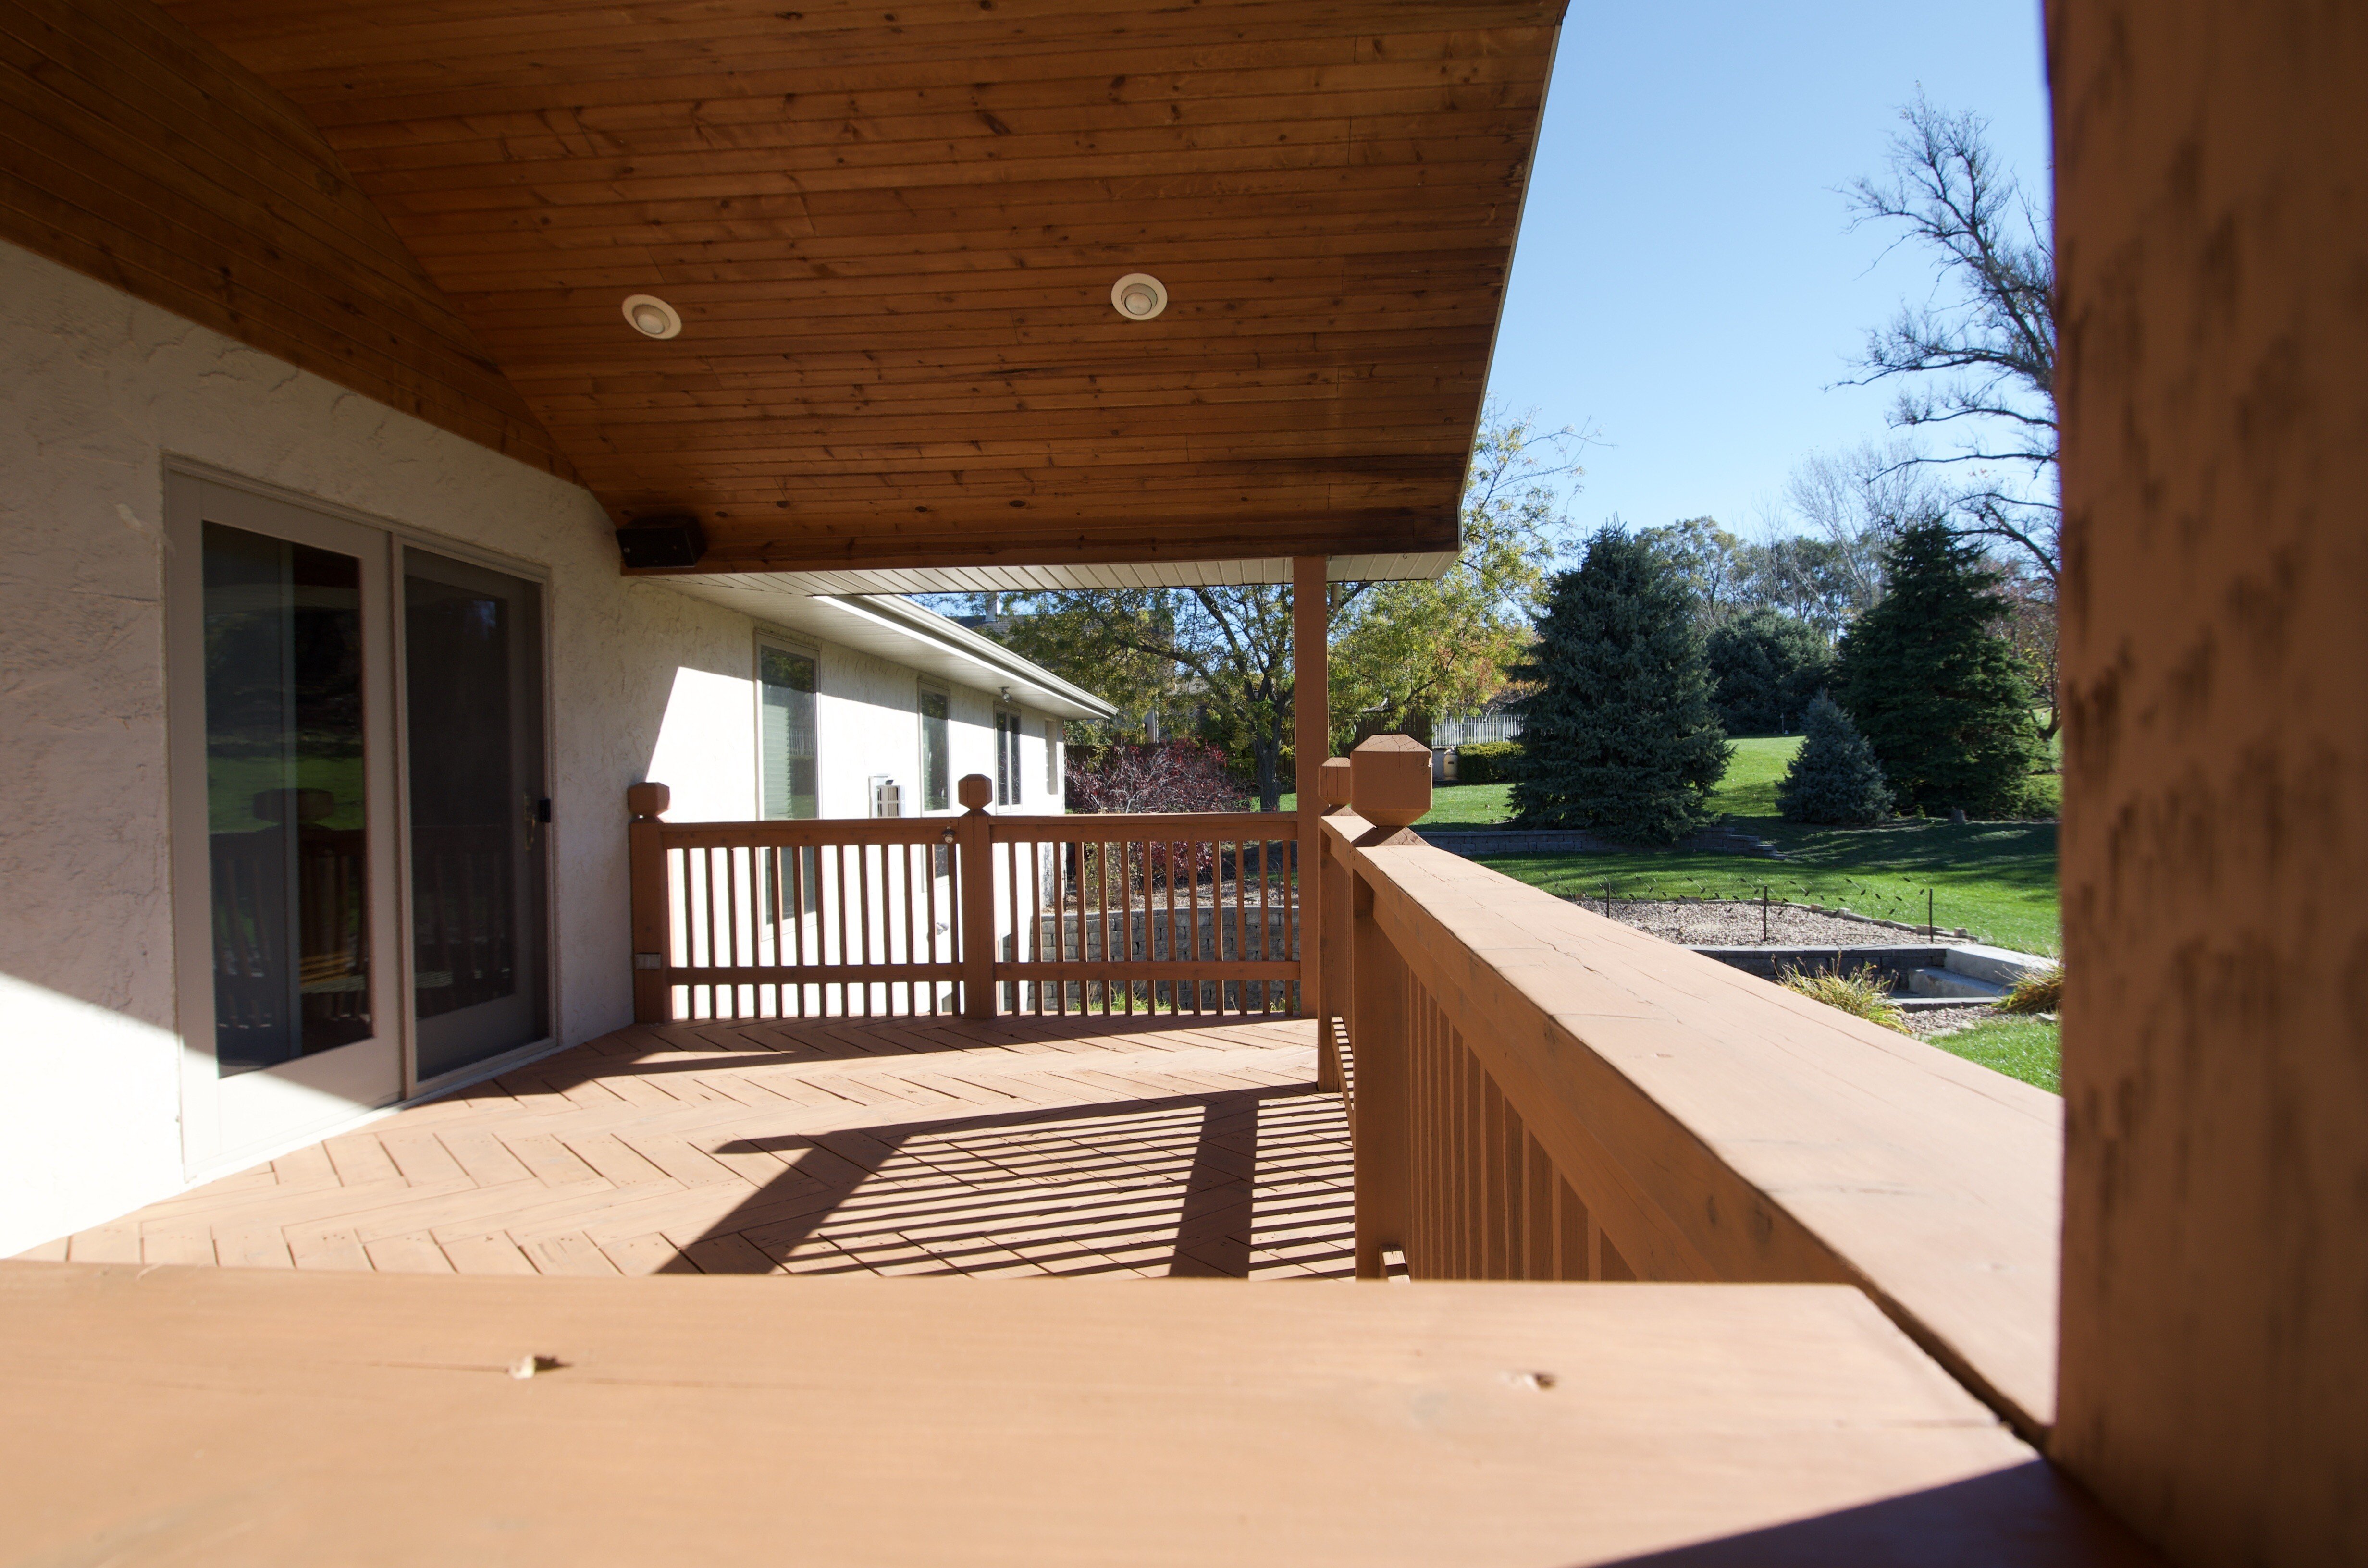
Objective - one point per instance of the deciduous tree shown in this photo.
(1979, 358)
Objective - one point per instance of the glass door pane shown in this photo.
(285, 799)
(473, 671)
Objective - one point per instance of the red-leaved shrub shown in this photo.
(1171, 776)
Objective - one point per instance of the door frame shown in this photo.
(204, 1154)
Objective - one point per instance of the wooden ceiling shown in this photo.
(892, 229)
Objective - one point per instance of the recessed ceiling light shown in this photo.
(651, 316)
(1138, 296)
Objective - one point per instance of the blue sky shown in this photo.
(1685, 287)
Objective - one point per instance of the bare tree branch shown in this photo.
(1986, 356)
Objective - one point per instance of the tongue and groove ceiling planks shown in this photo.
(892, 231)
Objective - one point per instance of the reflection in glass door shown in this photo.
(285, 796)
(479, 821)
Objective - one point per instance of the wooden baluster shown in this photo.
(798, 915)
(653, 947)
(1102, 917)
(1168, 877)
(1126, 917)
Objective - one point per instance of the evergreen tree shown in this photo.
(1834, 778)
(1768, 669)
(1933, 686)
(1619, 736)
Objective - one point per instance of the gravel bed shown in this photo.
(1736, 924)
(1930, 1023)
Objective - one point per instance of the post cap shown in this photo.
(1332, 786)
(975, 791)
(1390, 780)
(648, 801)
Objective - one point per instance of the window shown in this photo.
(1006, 760)
(785, 742)
(786, 774)
(936, 763)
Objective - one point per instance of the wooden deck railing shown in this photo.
(1539, 1093)
(1190, 913)
(1187, 914)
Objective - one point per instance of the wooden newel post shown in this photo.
(1390, 788)
(975, 875)
(653, 932)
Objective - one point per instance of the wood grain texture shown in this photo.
(843, 1145)
(2213, 242)
(136, 151)
(218, 1417)
(891, 238)
(1719, 1127)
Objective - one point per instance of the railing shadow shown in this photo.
(1234, 1183)
(804, 1041)
(2028, 1516)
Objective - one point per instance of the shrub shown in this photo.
(1935, 689)
(1618, 734)
(1766, 668)
(1489, 762)
(2040, 993)
(1170, 776)
(1859, 993)
(1834, 778)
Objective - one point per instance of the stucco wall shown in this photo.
(2212, 237)
(646, 683)
(98, 389)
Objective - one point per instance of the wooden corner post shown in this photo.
(975, 875)
(652, 923)
(1390, 786)
(1311, 719)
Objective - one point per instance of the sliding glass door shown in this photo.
(360, 828)
(479, 828)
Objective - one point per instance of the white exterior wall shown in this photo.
(99, 391)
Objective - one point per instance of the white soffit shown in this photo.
(894, 629)
(1136, 574)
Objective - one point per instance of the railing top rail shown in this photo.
(806, 831)
(1115, 827)
(1776, 1137)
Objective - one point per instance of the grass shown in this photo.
(1859, 993)
(1995, 879)
(2027, 1048)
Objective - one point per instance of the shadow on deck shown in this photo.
(890, 1146)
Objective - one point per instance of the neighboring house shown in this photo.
(291, 673)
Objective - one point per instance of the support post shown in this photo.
(975, 875)
(2209, 215)
(652, 910)
(1311, 719)
(1327, 950)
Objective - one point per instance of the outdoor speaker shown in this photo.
(673, 540)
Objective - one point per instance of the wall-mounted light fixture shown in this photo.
(651, 317)
(1138, 296)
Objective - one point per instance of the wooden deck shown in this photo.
(1019, 1147)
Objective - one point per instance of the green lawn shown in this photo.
(2027, 1048)
(1996, 879)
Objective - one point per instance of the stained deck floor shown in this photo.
(1015, 1146)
